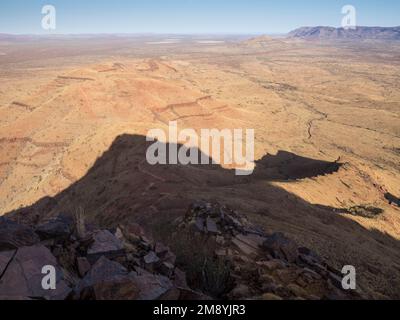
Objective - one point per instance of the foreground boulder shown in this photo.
(241, 262)
(99, 264)
(5, 258)
(116, 288)
(60, 227)
(104, 244)
(150, 286)
(280, 247)
(14, 235)
(22, 276)
(107, 280)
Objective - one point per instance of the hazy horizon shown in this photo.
(216, 34)
(190, 17)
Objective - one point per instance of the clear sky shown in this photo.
(190, 16)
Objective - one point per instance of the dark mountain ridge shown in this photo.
(359, 33)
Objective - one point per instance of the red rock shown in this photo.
(244, 247)
(107, 280)
(14, 298)
(252, 240)
(116, 288)
(169, 257)
(166, 269)
(273, 264)
(200, 224)
(172, 294)
(23, 277)
(14, 235)
(190, 295)
(241, 291)
(151, 260)
(102, 270)
(105, 243)
(281, 247)
(83, 266)
(59, 228)
(132, 231)
(211, 226)
(160, 249)
(270, 297)
(5, 258)
(179, 278)
(150, 286)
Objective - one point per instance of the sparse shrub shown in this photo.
(79, 218)
(196, 256)
(369, 212)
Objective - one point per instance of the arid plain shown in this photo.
(64, 102)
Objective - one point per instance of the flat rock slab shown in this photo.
(200, 224)
(83, 266)
(105, 243)
(117, 288)
(248, 244)
(23, 276)
(151, 258)
(107, 280)
(14, 235)
(5, 258)
(244, 247)
(211, 226)
(281, 247)
(103, 270)
(60, 227)
(253, 240)
(150, 286)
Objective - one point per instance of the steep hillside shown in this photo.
(73, 129)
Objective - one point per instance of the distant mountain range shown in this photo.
(307, 33)
(360, 33)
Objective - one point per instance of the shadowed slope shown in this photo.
(122, 186)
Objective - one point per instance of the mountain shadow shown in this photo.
(121, 186)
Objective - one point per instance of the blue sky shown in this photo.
(191, 16)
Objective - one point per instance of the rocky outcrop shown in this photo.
(104, 244)
(120, 264)
(124, 264)
(264, 266)
(106, 280)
